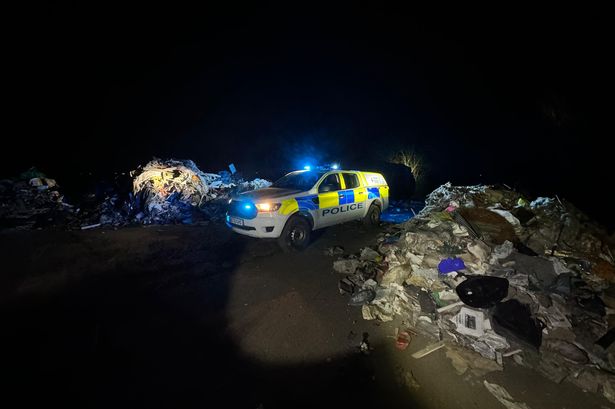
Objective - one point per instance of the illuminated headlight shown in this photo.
(268, 207)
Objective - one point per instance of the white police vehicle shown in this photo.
(307, 200)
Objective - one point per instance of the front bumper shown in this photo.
(264, 225)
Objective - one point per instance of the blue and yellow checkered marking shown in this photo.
(346, 196)
(329, 199)
(373, 192)
(307, 202)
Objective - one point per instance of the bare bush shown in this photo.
(413, 160)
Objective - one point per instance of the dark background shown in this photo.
(518, 96)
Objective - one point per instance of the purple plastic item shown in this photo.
(448, 265)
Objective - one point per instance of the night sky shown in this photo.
(513, 96)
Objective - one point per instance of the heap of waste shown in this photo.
(171, 190)
(162, 191)
(31, 200)
(482, 269)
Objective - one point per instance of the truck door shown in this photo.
(328, 201)
(354, 195)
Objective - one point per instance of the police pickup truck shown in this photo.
(307, 200)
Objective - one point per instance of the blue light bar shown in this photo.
(307, 167)
(335, 166)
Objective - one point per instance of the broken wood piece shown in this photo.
(428, 350)
(449, 307)
(510, 353)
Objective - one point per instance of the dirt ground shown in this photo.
(197, 316)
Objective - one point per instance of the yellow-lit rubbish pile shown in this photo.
(170, 190)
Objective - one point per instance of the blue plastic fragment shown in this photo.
(449, 265)
(225, 176)
(390, 217)
(400, 211)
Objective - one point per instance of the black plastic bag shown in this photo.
(482, 291)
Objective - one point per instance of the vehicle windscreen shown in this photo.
(298, 180)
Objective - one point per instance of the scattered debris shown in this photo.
(442, 197)
(449, 265)
(397, 274)
(496, 275)
(32, 201)
(403, 340)
(463, 360)
(449, 307)
(362, 297)
(364, 346)
(347, 285)
(513, 319)
(91, 226)
(504, 397)
(482, 291)
(346, 266)
(469, 322)
(568, 351)
(370, 255)
(428, 350)
(162, 191)
(407, 379)
(334, 251)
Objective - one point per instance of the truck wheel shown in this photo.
(372, 218)
(295, 235)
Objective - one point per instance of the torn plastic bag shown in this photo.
(511, 318)
(449, 265)
(482, 291)
(362, 297)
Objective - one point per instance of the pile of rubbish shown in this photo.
(170, 191)
(31, 200)
(492, 276)
(162, 191)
